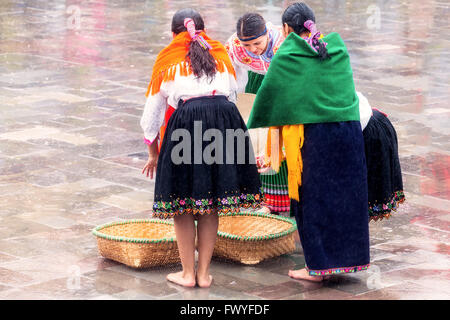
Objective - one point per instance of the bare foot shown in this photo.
(204, 282)
(303, 274)
(181, 280)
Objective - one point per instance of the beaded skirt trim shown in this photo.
(233, 204)
(337, 270)
(382, 211)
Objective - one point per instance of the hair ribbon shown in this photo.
(195, 34)
(314, 34)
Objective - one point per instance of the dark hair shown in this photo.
(295, 16)
(250, 25)
(201, 61)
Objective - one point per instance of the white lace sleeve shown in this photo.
(365, 110)
(241, 77)
(241, 72)
(233, 88)
(153, 116)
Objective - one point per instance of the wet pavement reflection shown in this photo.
(73, 75)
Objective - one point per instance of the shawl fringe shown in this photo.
(292, 137)
(173, 58)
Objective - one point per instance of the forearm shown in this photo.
(153, 148)
(153, 117)
(152, 161)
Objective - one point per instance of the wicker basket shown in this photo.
(250, 237)
(138, 243)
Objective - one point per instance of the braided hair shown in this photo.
(295, 17)
(201, 60)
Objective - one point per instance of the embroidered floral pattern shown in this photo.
(247, 60)
(168, 209)
(250, 61)
(337, 270)
(384, 210)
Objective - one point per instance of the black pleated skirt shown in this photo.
(383, 167)
(198, 174)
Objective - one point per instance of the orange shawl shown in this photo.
(174, 55)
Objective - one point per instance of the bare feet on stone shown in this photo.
(303, 274)
(204, 281)
(181, 279)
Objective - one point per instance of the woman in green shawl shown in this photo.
(309, 98)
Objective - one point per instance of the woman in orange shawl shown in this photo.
(194, 75)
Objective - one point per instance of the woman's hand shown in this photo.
(152, 161)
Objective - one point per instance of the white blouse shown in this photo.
(255, 63)
(183, 88)
(365, 110)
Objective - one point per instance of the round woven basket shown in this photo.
(251, 237)
(138, 243)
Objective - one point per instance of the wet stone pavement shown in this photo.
(73, 75)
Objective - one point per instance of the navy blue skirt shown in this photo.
(331, 216)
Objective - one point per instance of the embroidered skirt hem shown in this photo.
(337, 270)
(165, 210)
(384, 210)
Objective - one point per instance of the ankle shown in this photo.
(188, 274)
(203, 274)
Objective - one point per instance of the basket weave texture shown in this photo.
(251, 237)
(138, 243)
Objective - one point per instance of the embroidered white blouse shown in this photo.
(183, 88)
(244, 61)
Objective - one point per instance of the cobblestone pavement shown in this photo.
(73, 75)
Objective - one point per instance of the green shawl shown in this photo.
(299, 88)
